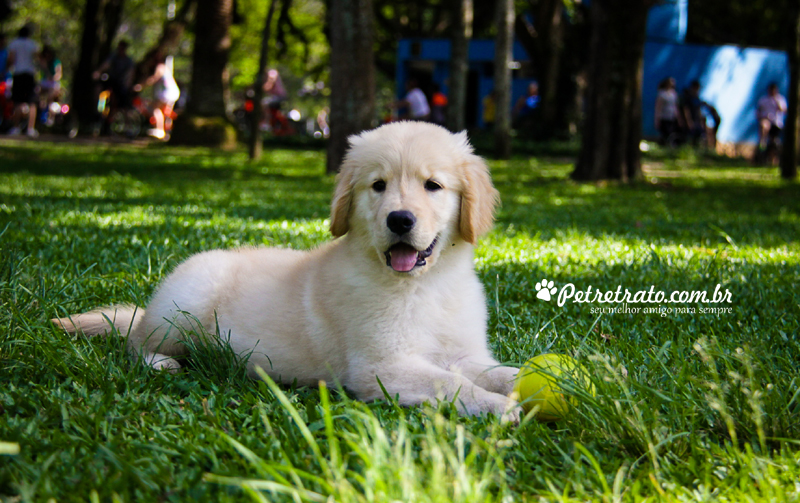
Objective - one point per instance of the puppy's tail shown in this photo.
(121, 319)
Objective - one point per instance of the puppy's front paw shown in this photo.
(504, 407)
(498, 379)
(162, 362)
(513, 416)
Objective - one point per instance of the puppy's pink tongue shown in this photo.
(403, 258)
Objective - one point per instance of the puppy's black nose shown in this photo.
(400, 222)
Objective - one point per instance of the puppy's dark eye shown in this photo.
(432, 186)
(379, 186)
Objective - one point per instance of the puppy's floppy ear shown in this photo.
(342, 202)
(479, 199)
(343, 194)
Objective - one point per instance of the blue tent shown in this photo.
(732, 78)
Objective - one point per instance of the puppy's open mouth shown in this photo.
(403, 257)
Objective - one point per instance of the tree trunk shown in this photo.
(5, 10)
(258, 107)
(502, 77)
(101, 19)
(210, 58)
(459, 65)
(171, 35)
(613, 104)
(544, 42)
(791, 134)
(553, 38)
(205, 121)
(352, 74)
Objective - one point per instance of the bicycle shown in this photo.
(126, 122)
(6, 106)
(118, 119)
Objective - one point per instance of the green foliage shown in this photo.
(300, 62)
(688, 406)
(56, 24)
(765, 23)
(142, 23)
(59, 23)
(396, 20)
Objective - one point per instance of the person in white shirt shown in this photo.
(22, 57)
(770, 112)
(165, 92)
(667, 119)
(415, 103)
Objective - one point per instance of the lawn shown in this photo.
(689, 405)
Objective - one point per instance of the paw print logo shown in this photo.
(546, 290)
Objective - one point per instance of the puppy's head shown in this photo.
(409, 190)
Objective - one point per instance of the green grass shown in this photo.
(689, 407)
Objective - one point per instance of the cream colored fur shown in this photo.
(340, 312)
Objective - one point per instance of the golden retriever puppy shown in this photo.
(394, 298)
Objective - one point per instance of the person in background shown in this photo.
(274, 95)
(5, 84)
(489, 110)
(119, 67)
(692, 112)
(712, 122)
(50, 85)
(770, 112)
(22, 52)
(322, 123)
(274, 90)
(165, 92)
(667, 117)
(3, 57)
(527, 106)
(415, 103)
(438, 106)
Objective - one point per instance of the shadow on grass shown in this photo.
(537, 200)
(155, 165)
(109, 229)
(680, 214)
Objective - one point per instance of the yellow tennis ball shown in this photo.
(538, 384)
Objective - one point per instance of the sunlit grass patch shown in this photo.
(690, 405)
(360, 459)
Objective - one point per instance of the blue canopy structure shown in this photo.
(732, 78)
